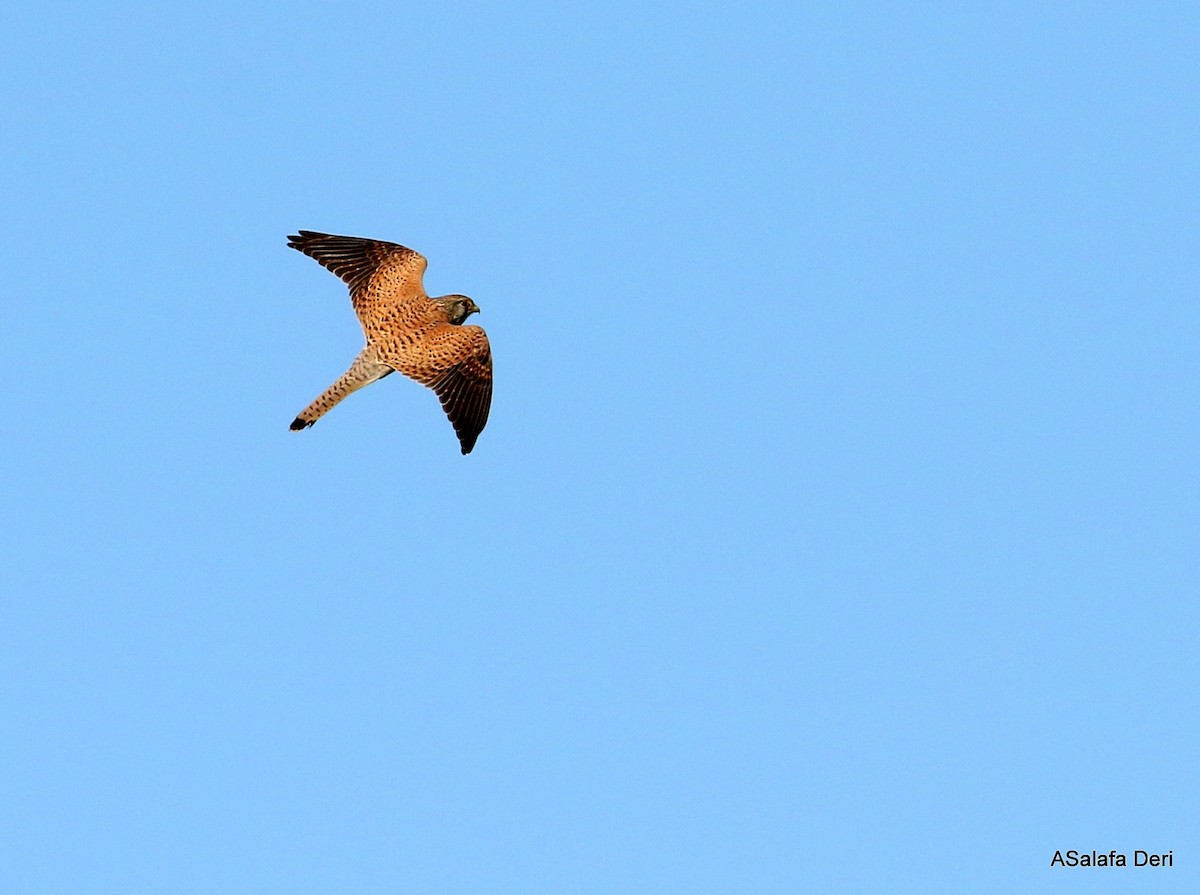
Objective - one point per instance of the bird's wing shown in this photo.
(456, 362)
(381, 275)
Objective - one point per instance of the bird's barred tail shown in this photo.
(363, 371)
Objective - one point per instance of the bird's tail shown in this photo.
(365, 370)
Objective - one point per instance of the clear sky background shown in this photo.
(835, 528)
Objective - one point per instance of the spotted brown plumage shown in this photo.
(406, 330)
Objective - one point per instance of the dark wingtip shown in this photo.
(301, 238)
(298, 424)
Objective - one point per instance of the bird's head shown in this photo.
(458, 307)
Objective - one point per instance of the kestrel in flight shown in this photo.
(406, 330)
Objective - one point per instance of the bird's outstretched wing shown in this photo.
(456, 362)
(381, 275)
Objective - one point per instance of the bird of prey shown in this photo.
(406, 330)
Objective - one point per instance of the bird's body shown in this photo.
(406, 330)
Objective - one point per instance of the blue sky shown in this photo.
(835, 527)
